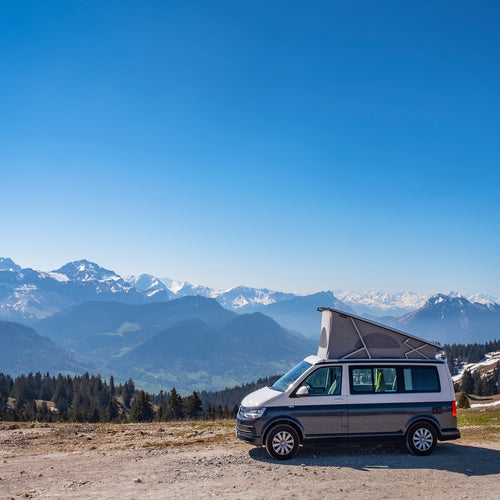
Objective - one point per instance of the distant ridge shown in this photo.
(24, 350)
(301, 313)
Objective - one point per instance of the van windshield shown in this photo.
(289, 378)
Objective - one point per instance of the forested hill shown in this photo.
(468, 353)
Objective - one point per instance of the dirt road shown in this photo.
(205, 460)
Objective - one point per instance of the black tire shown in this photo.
(421, 438)
(282, 442)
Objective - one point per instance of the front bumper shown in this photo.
(246, 431)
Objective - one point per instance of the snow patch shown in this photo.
(489, 359)
(479, 405)
(57, 276)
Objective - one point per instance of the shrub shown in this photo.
(463, 401)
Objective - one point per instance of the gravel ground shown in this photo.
(205, 460)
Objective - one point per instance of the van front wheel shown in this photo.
(282, 442)
(421, 438)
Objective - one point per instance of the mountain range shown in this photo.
(163, 332)
(28, 295)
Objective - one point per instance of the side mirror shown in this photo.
(301, 392)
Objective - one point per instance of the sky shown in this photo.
(298, 146)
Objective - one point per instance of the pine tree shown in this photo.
(29, 411)
(127, 392)
(174, 406)
(111, 412)
(463, 401)
(209, 413)
(47, 388)
(161, 414)
(467, 382)
(488, 385)
(43, 412)
(142, 409)
(192, 406)
(234, 411)
(63, 395)
(93, 414)
(479, 387)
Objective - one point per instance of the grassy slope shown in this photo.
(480, 424)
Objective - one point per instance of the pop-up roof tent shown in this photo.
(344, 335)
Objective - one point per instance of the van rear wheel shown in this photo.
(421, 439)
(282, 442)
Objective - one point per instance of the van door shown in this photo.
(323, 412)
(375, 406)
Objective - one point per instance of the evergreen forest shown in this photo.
(89, 398)
(474, 383)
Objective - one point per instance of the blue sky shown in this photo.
(293, 145)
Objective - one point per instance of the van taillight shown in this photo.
(454, 408)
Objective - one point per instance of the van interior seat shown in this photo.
(333, 388)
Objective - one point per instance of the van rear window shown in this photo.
(421, 379)
(389, 379)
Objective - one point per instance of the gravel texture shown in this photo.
(191, 461)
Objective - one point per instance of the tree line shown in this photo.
(458, 354)
(89, 398)
(473, 382)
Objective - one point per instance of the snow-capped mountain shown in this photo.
(239, 298)
(9, 265)
(152, 286)
(183, 288)
(244, 298)
(378, 303)
(453, 319)
(27, 294)
(483, 299)
(84, 276)
(175, 288)
(83, 270)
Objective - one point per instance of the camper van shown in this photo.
(368, 383)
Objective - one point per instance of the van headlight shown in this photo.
(252, 413)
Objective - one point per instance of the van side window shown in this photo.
(362, 380)
(325, 381)
(421, 379)
(380, 379)
(386, 379)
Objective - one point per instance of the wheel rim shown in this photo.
(283, 443)
(422, 439)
